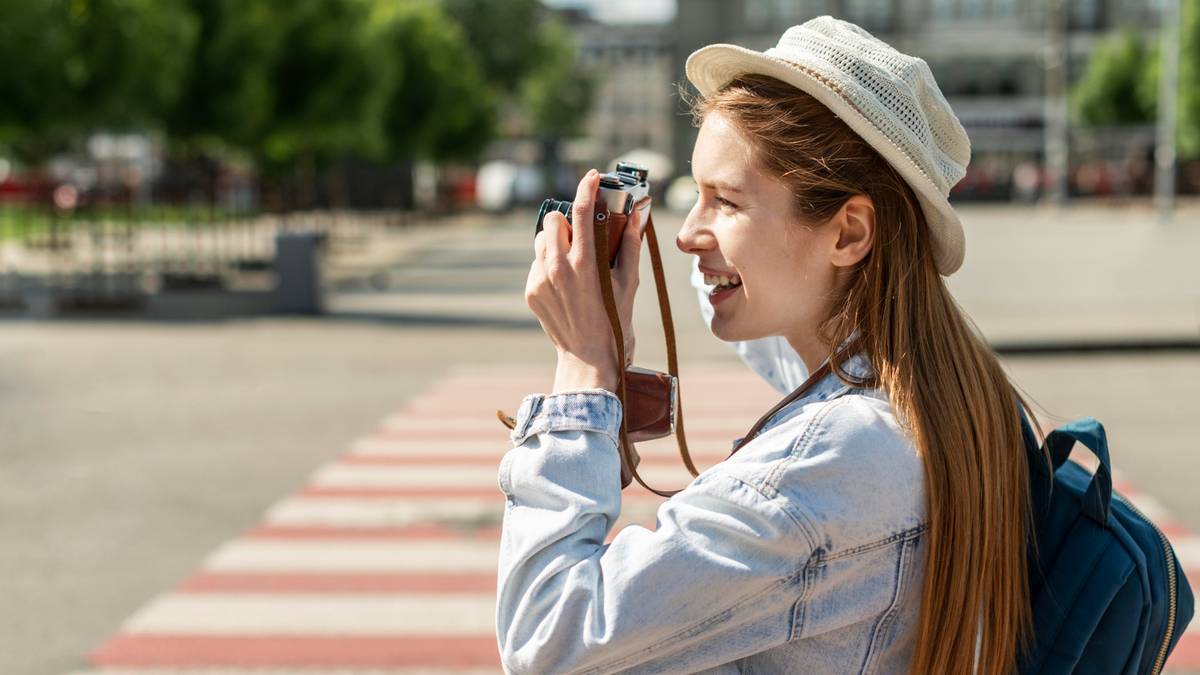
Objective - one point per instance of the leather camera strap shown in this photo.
(664, 306)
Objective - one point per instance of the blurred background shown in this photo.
(236, 234)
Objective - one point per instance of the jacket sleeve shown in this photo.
(716, 580)
(771, 357)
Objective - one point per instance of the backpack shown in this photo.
(1108, 593)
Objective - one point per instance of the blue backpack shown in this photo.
(1109, 595)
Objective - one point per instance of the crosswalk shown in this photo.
(384, 563)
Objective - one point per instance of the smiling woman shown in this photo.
(874, 521)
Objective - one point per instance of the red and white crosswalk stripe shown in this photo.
(385, 562)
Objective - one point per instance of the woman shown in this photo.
(877, 523)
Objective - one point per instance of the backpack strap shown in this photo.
(1089, 432)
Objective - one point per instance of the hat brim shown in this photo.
(710, 68)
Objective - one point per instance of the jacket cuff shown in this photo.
(579, 410)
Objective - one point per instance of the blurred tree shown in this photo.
(328, 78)
(503, 35)
(558, 92)
(77, 65)
(1120, 83)
(556, 96)
(227, 93)
(1187, 129)
(1110, 93)
(439, 106)
(529, 60)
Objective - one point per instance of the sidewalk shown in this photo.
(1092, 274)
(1095, 272)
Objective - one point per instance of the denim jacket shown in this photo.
(801, 553)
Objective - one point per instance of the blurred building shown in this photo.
(988, 57)
(634, 102)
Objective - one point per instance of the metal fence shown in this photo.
(102, 257)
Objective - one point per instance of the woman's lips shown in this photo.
(716, 272)
(716, 296)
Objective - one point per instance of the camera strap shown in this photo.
(628, 453)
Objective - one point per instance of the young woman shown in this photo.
(878, 523)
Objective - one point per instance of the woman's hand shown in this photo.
(563, 290)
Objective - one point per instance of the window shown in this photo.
(1084, 14)
(973, 9)
(870, 14)
(1004, 8)
(942, 10)
(758, 13)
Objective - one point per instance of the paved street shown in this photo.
(278, 492)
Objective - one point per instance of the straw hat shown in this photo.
(888, 98)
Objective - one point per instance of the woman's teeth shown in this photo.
(722, 280)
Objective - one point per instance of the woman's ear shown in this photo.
(855, 223)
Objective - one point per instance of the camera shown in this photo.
(620, 192)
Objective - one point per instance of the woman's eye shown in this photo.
(720, 201)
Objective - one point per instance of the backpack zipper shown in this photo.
(1169, 557)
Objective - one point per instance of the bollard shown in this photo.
(297, 272)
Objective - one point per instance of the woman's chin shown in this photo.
(730, 332)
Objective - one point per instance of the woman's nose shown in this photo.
(693, 237)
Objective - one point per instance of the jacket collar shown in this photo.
(857, 366)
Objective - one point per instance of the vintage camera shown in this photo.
(621, 191)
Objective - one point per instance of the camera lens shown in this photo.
(549, 205)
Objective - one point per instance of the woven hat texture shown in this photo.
(887, 97)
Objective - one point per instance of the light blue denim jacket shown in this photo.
(801, 553)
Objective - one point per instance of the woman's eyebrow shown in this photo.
(716, 185)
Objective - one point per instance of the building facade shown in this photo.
(988, 56)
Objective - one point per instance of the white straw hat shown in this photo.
(890, 99)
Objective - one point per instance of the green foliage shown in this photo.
(1121, 81)
(328, 97)
(285, 81)
(1187, 110)
(558, 93)
(504, 35)
(439, 105)
(76, 65)
(529, 60)
(227, 93)
(1110, 91)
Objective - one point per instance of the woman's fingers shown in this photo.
(554, 227)
(631, 240)
(539, 243)
(581, 216)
